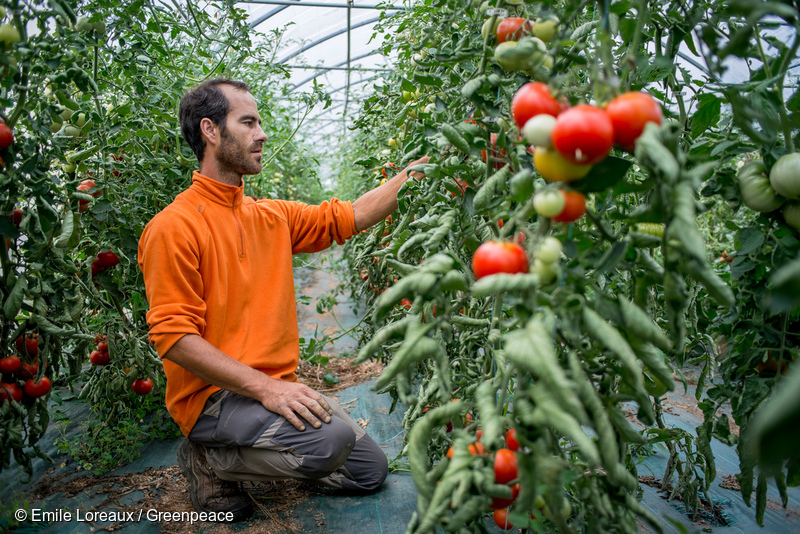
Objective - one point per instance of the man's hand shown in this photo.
(417, 174)
(290, 398)
(213, 366)
(375, 205)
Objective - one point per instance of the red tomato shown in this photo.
(505, 466)
(583, 134)
(574, 207)
(96, 267)
(513, 29)
(88, 185)
(107, 259)
(511, 440)
(16, 217)
(28, 344)
(142, 386)
(629, 113)
(494, 257)
(102, 346)
(501, 519)
(475, 449)
(10, 364)
(498, 503)
(10, 390)
(98, 357)
(29, 370)
(494, 153)
(533, 99)
(406, 304)
(6, 137)
(37, 389)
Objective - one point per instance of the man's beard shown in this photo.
(232, 155)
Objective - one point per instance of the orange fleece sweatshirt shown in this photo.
(219, 265)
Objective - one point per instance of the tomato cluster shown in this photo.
(104, 260)
(19, 371)
(100, 356)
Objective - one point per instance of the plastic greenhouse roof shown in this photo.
(326, 40)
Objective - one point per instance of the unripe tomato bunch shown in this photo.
(766, 193)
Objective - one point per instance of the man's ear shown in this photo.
(209, 131)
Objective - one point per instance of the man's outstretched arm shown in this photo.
(377, 204)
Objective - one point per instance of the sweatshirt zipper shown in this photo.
(241, 233)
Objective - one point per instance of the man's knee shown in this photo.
(323, 456)
(373, 479)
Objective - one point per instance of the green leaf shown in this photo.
(605, 174)
(707, 114)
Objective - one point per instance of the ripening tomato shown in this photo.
(498, 502)
(6, 137)
(98, 357)
(532, 99)
(475, 449)
(511, 440)
(501, 519)
(10, 364)
(629, 113)
(87, 185)
(495, 257)
(10, 390)
(584, 134)
(38, 388)
(556, 168)
(574, 207)
(505, 466)
(513, 29)
(142, 386)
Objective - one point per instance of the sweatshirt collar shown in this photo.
(227, 195)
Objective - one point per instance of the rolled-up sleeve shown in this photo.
(169, 257)
(315, 228)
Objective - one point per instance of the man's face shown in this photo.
(242, 138)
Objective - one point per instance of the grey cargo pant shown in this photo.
(244, 442)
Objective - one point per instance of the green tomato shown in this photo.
(55, 127)
(484, 7)
(791, 214)
(755, 188)
(545, 29)
(549, 250)
(2, 12)
(525, 54)
(9, 34)
(99, 27)
(538, 130)
(546, 272)
(68, 167)
(548, 203)
(565, 511)
(72, 131)
(65, 113)
(785, 176)
(83, 24)
(79, 120)
(485, 28)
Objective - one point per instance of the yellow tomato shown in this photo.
(555, 168)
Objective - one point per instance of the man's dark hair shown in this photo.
(205, 101)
